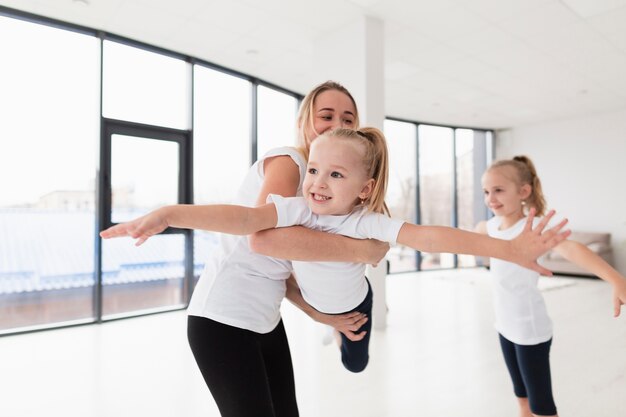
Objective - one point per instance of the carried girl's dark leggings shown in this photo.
(249, 374)
(355, 355)
(529, 367)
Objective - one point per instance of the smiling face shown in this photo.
(503, 195)
(331, 109)
(336, 179)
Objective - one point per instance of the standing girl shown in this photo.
(343, 193)
(511, 187)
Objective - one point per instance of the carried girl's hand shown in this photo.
(534, 242)
(347, 323)
(142, 228)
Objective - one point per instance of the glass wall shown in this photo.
(436, 164)
(145, 87)
(150, 92)
(401, 193)
(471, 161)
(449, 163)
(276, 119)
(49, 129)
(222, 145)
(72, 162)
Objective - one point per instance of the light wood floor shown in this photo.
(438, 357)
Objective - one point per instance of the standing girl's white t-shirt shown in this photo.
(520, 310)
(238, 287)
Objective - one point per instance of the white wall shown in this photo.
(582, 165)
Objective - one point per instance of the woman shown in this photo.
(234, 325)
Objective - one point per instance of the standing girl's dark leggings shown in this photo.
(355, 355)
(249, 374)
(529, 367)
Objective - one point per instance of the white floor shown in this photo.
(439, 356)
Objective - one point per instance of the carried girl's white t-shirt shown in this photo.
(520, 310)
(334, 287)
(238, 287)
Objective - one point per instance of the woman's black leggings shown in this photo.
(249, 374)
(529, 367)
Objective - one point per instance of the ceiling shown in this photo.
(475, 63)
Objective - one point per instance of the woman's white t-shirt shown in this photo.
(238, 287)
(334, 287)
(520, 310)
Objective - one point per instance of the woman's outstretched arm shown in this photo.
(298, 243)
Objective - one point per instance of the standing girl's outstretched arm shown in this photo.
(523, 250)
(582, 256)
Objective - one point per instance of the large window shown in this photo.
(145, 87)
(73, 162)
(436, 163)
(276, 120)
(151, 276)
(401, 193)
(471, 161)
(449, 163)
(49, 107)
(146, 105)
(222, 146)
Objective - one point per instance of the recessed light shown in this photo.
(252, 51)
(82, 2)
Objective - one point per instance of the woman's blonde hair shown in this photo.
(375, 161)
(306, 116)
(525, 173)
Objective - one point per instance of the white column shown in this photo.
(353, 56)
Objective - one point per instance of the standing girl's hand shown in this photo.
(619, 296)
(141, 228)
(534, 242)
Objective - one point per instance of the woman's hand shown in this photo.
(347, 323)
(142, 228)
(534, 242)
(374, 251)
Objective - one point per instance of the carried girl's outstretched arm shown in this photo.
(223, 218)
(523, 250)
(582, 256)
